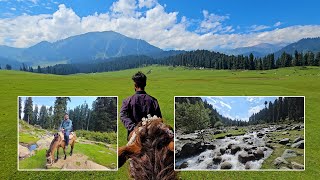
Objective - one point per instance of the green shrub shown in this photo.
(107, 137)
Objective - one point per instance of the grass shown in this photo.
(38, 161)
(279, 148)
(163, 84)
(98, 154)
(27, 138)
(233, 132)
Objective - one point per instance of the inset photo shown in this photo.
(240, 133)
(67, 133)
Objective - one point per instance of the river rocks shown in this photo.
(269, 146)
(284, 141)
(297, 127)
(297, 165)
(288, 153)
(245, 157)
(298, 139)
(23, 152)
(235, 149)
(279, 128)
(279, 160)
(284, 133)
(217, 159)
(229, 135)
(200, 159)
(260, 134)
(210, 146)
(217, 132)
(299, 144)
(226, 165)
(190, 149)
(258, 154)
(183, 165)
(222, 150)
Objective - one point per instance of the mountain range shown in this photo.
(258, 50)
(84, 48)
(94, 47)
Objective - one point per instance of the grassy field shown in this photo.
(163, 83)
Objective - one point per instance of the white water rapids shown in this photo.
(204, 160)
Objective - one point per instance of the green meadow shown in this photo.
(163, 83)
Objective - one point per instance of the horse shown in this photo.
(57, 142)
(151, 150)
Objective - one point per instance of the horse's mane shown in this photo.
(155, 161)
(55, 139)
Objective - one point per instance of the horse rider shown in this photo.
(139, 105)
(66, 128)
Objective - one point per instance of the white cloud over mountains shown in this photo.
(147, 20)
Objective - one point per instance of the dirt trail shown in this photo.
(77, 161)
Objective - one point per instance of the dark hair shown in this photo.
(140, 80)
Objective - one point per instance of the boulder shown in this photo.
(226, 165)
(297, 127)
(235, 149)
(297, 165)
(279, 160)
(260, 134)
(222, 150)
(190, 149)
(210, 146)
(298, 139)
(258, 154)
(217, 132)
(288, 153)
(216, 159)
(200, 159)
(23, 151)
(299, 144)
(279, 128)
(247, 166)
(284, 141)
(245, 157)
(183, 165)
(229, 135)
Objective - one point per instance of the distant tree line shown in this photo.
(7, 67)
(102, 117)
(194, 59)
(281, 110)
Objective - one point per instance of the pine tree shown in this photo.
(28, 110)
(60, 108)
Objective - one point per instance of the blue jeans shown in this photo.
(66, 137)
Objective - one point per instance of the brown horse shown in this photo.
(56, 143)
(150, 149)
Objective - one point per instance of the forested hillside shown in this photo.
(192, 59)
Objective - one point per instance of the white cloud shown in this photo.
(147, 20)
(213, 23)
(258, 27)
(277, 24)
(223, 104)
(255, 109)
(13, 9)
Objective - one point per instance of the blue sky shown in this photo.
(168, 24)
(49, 101)
(238, 107)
